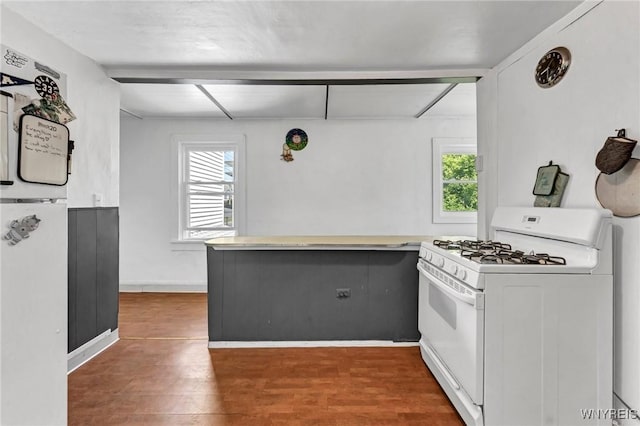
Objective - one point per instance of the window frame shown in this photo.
(185, 144)
(442, 146)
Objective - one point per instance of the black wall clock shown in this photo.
(552, 67)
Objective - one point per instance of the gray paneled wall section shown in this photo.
(93, 273)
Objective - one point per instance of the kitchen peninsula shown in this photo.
(311, 288)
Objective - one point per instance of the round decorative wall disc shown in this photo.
(297, 139)
(620, 191)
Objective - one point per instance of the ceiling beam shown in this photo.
(287, 82)
(214, 100)
(326, 104)
(436, 100)
(130, 113)
(202, 75)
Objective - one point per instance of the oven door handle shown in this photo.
(469, 300)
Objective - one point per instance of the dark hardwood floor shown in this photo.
(162, 373)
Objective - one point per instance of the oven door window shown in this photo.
(443, 305)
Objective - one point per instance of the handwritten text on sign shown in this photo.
(43, 153)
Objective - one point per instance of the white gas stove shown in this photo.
(527, 240)
(518, 329)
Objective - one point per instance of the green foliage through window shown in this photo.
(460, 183)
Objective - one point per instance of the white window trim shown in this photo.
(449, 146)
(179, 144)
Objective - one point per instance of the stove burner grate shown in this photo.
(498, 253)
(471, 245)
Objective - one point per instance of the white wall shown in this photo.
(94, 99)
(355, 177)
(37, 375)
(569, 124)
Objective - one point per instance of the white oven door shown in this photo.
(451, 321)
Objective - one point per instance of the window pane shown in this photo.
(229, 165)
(210, 210)
(460, 197)
(209, 187)
(228, 210)
(210, 166)
(459, 167)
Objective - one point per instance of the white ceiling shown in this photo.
(178, 38)
(163, 100)
(259, 101)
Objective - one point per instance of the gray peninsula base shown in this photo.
(307, 295)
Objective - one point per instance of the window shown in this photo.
(211, 191)
(455, 180)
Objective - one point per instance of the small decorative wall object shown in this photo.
(545, 179)
(286, 153)
(550, 185)
(7, 80)
(51, 105)
(615, 153)
(19, 229)
(620, 191)
(296, 140)
(618, 184)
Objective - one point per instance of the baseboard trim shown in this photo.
(91, 349)
(309, 344)
(163, 288)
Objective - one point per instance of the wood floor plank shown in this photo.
(162, 373)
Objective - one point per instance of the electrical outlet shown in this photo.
(343, 293)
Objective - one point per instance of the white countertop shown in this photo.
(320, 242)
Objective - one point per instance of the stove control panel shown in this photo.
(455, 285)
(448, 264)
